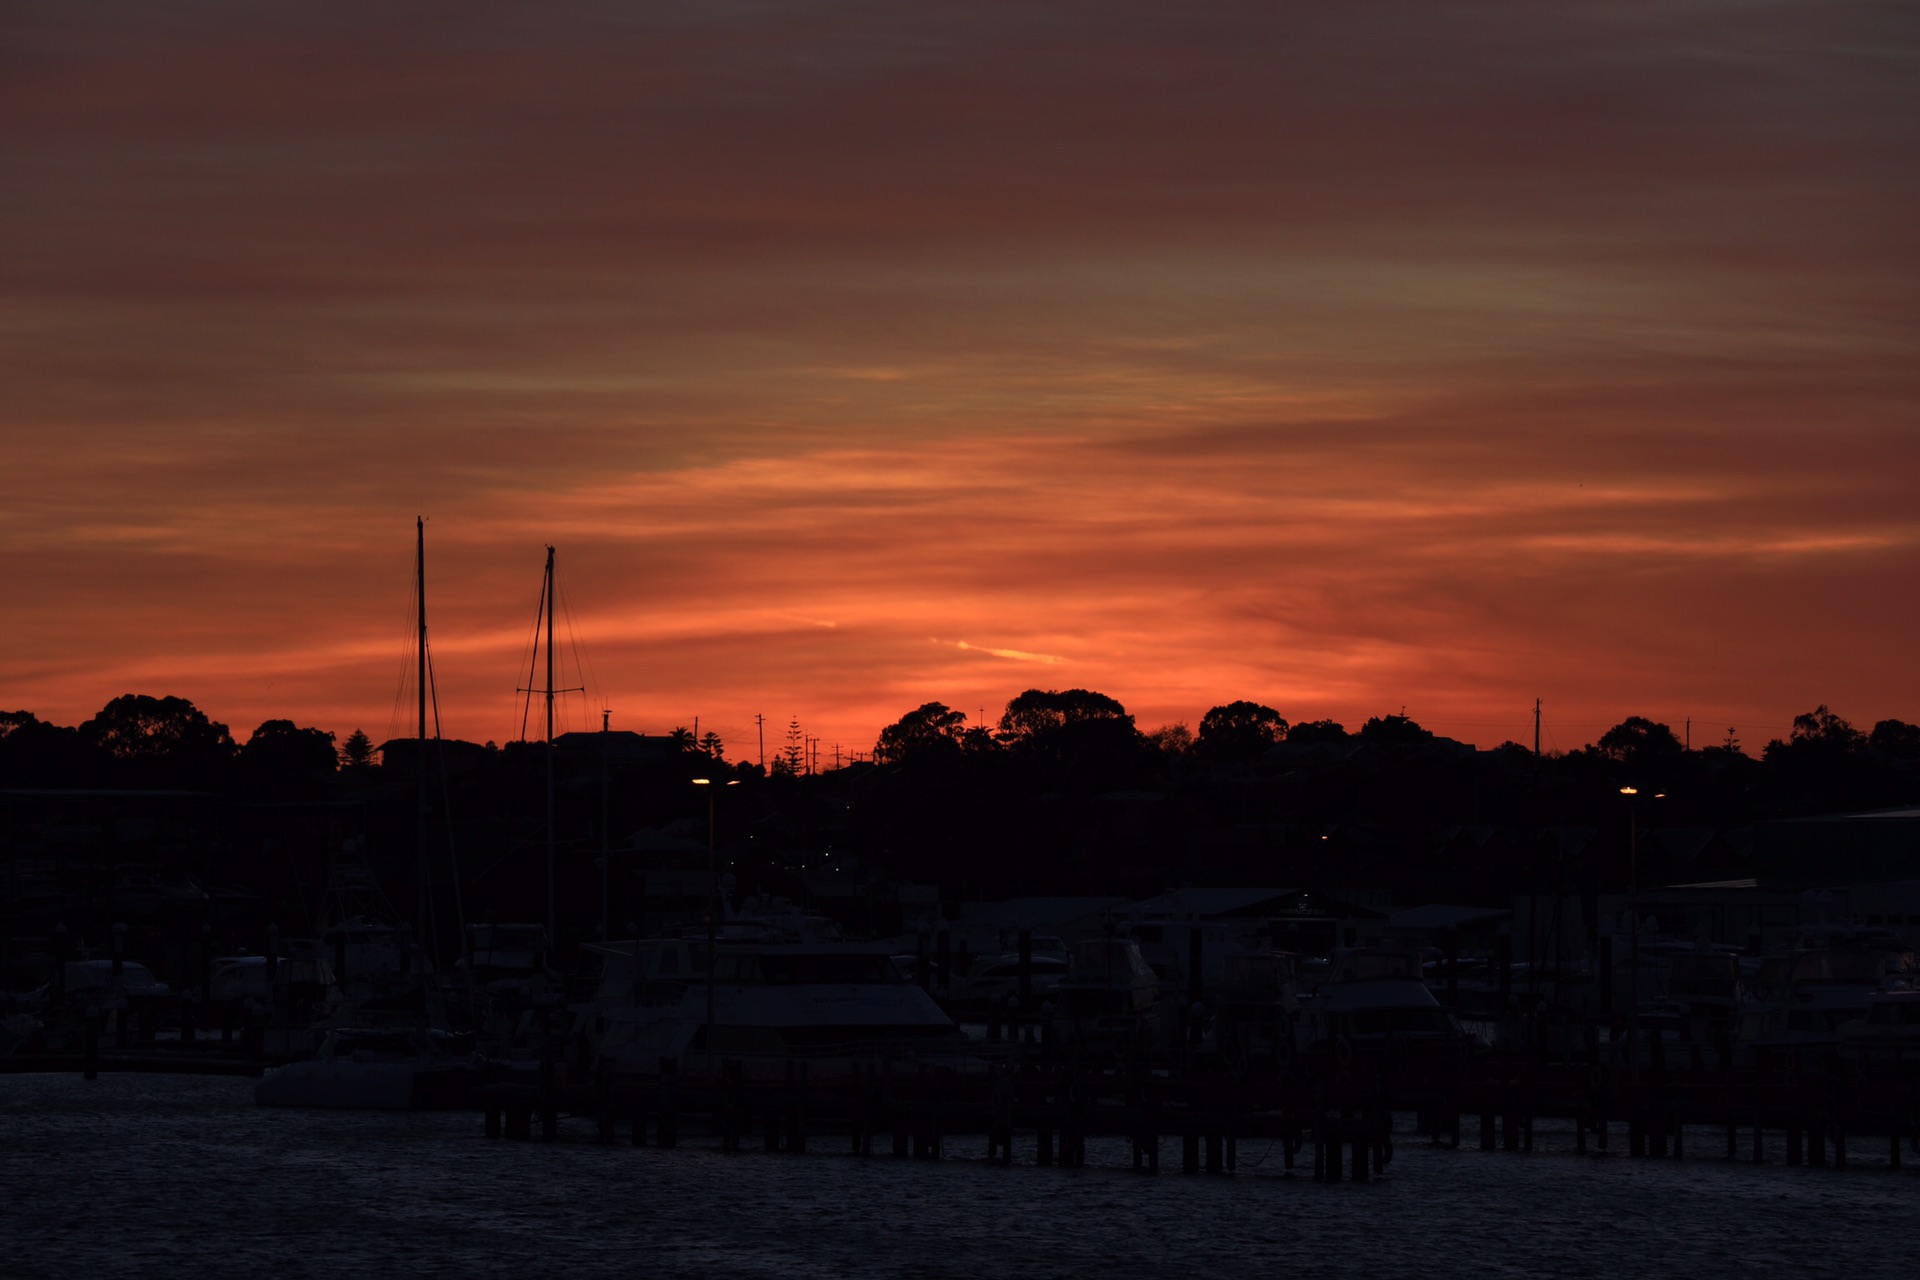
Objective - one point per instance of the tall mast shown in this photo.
(552, 935)
(420, 758)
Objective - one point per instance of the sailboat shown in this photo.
(386, 967)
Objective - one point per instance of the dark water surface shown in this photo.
(153, 1175)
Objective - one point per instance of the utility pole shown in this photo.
(760, 723)
(1536, 728)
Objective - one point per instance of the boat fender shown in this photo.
(1597, 1076)
(1283, 1053)
(1343, 1051)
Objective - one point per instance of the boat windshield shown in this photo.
(1264, 970)
(796, 969)
(1364, 966)
(1894, 1013)
(1840, 966)
(1107, 960)
(1411, 1021)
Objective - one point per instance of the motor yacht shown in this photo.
(1890, 1033)
(766, 1003)
(375, 1069)
(1826, 988)
(1255, 1005)
(1110, 996)
(993, 978)
(1375, 1005)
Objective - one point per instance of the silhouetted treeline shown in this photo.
(1064, 793)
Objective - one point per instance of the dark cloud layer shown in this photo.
(856, 354)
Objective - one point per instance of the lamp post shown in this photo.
(1633, 931)
(713, 901)
(1633, 906)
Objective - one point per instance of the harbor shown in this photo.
(196, 1167)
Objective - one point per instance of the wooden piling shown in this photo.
(669, 1125)
(91, 1051)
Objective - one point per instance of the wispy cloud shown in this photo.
(1338, 357)
(1011, 655)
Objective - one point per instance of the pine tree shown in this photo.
(796, 749)
(357, 751)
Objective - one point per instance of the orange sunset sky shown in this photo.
(1344, 357)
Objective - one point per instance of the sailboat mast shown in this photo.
(552, 935)
(420, 758)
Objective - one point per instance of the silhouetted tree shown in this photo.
(282, 759)
(680, 738)
(357, 751)
(1392, 731)
(1822, 729)
(281, 746)
(1313, 731)
(710, 744)
(794, 755)
(1636, 740)
(1896, 738)
(1172, 740)
(34, 752)
(1076, 739)
(1239, 731)
(1038, 712)
(1819, 766)
(931, 730)
(160, 740)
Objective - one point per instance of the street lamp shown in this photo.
(1633, 926)
(1633, 932)
(713, 901)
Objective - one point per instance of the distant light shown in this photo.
(1629, 791)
